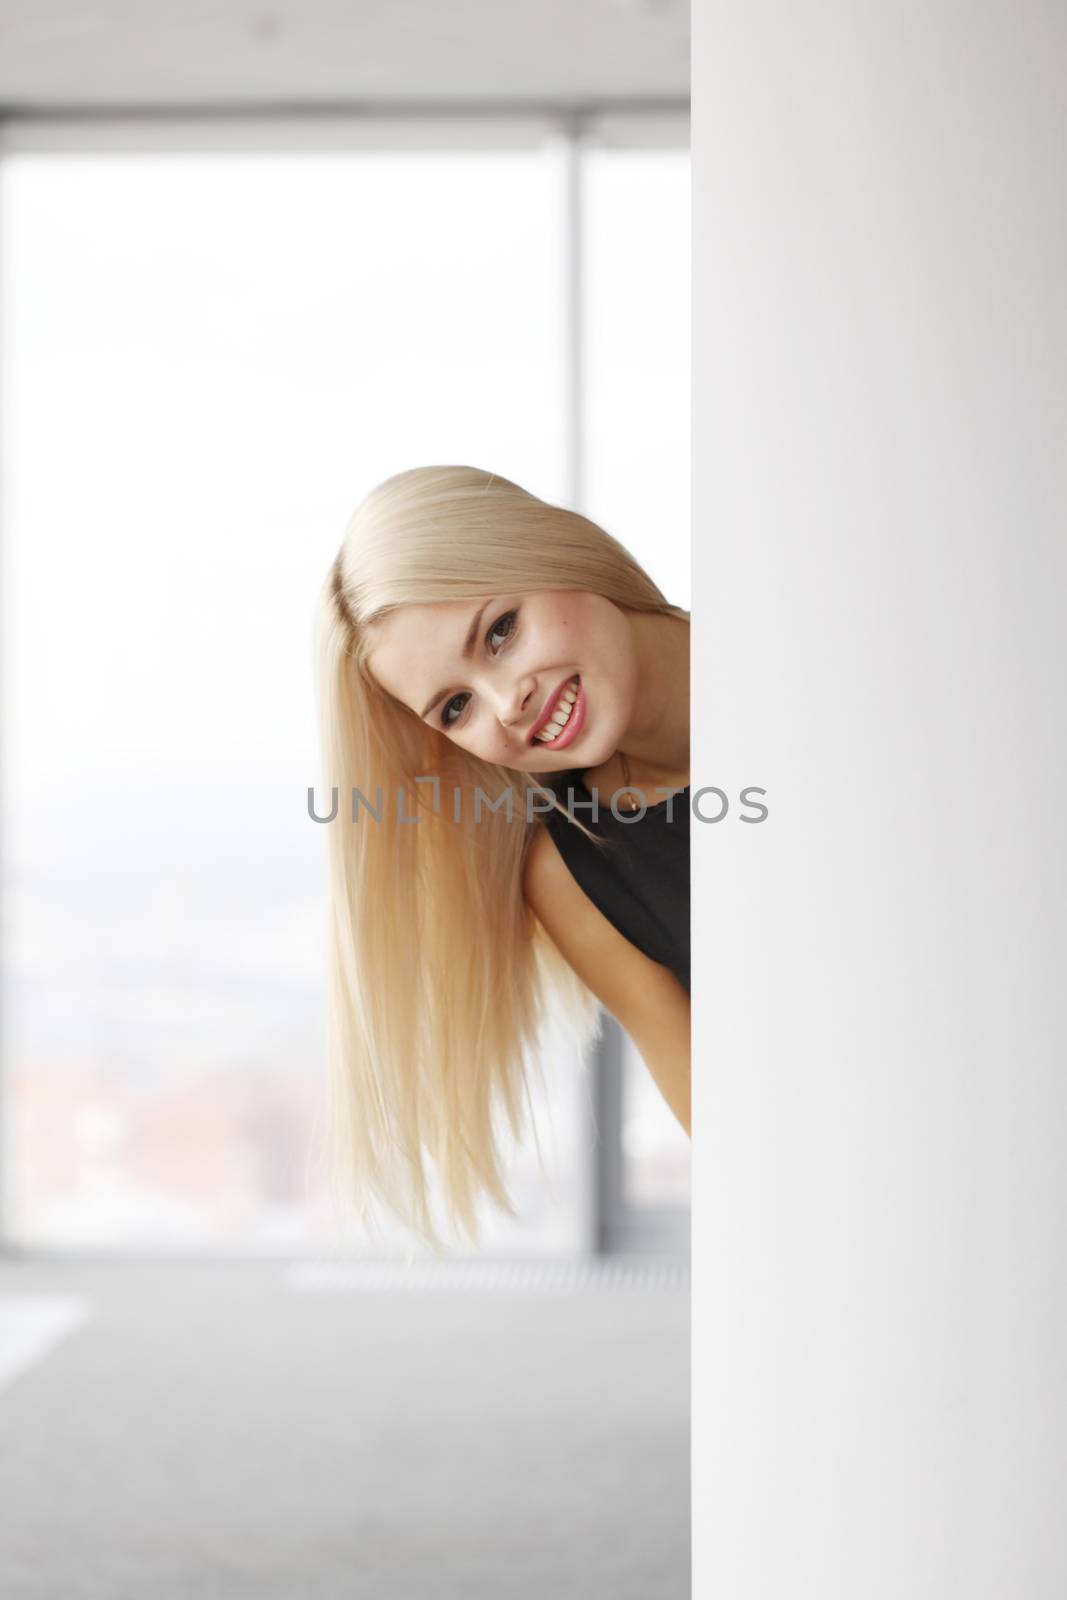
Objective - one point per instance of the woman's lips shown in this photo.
(574, 723)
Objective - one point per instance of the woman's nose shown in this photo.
(513, 703)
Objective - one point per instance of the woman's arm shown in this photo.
(643, 996)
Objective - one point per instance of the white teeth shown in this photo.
(559, 719)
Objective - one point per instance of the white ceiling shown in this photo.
(176, 54)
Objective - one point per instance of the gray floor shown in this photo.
(207, 1431)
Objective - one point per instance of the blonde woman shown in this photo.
(487, 666)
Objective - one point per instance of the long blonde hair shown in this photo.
(440, 978)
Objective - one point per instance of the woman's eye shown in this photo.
(508, 617)
(445, 721)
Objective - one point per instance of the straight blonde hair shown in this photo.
(440, 977)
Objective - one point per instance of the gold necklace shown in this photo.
(627, 803)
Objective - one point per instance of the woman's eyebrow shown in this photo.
(468, 646)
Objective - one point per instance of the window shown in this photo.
(208, 357)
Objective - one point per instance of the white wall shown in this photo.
(880, 1168)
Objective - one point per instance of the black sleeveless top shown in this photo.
(640, 881)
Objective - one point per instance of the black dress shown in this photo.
(641, 881)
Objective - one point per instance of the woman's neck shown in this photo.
(656, 740)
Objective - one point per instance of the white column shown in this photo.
(880, 604)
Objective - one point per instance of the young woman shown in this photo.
(487, 667)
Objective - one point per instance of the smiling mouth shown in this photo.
(562, 713)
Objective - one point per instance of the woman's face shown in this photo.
(486, 671)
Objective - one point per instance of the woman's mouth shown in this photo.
(566, 719)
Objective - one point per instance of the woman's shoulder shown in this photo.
(624, 979)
